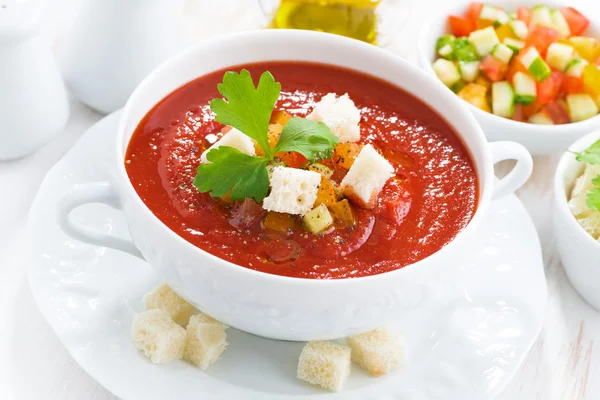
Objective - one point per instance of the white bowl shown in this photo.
(538, 139)
(578, 250)
(270, 305)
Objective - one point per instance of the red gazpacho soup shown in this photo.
(351, 177)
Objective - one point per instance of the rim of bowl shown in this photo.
(561, 196)
(365, 48)
(425, 49)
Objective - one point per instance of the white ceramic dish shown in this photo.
(538, 139)
(473, 327)
(270, 305)
(578, 251)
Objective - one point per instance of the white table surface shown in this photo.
(564, 364)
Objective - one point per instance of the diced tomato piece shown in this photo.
(473, 11)
(461, 26)
(542, 37)
(524, 14)
(572, 84)
(292, 158)
(246, 213)
(513, 68)
(518, 115)
(557, 112)
(394, 201)
(578, 23)
(533, 108)
(548, 89)
(494, 69)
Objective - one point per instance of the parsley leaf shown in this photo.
(248, 108)
(591, 154)
(593, 199)
(306, 137)
(245, 175)
(596, 181)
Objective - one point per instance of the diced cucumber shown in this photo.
(447, 71)
(541, 118)
(575, 67)
(540, 15)
(464, 51)
(469, 70)
(581, 107)
(525, 88)
(443, 41)
(559, 55)
(318, 219)
(519, 28)
(514, 44)
(458, 86)
(559, 23)
(512, 15)
(502, 53)
(536, 65)
(484, 40)
(494, 14)
(503, 99)
(446, 52)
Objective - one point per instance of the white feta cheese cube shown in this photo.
(233, 138)
(340, 115)
(366, 177)
(293, 191)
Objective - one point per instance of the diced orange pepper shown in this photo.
(591, 78)
(483, 81)
(345, 154)
(273, 136)
(281, 117)
(483, 23)
(476, 95)
(325, 193)
(279, 222)
(505, 31)
(342, 213)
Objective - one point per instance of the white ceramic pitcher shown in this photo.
(33, 101)
(114, 44)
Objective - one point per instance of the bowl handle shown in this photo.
(519, 174)
(95, 192)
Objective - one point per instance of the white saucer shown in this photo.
(465, 347)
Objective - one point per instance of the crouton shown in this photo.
(325, 364)
(367, 176)
(233, 138)
(340, 115)
(591, 223)
(377, 351)
(164, 298)
(584, 183)
(293, 191)
(158, 336)
(205, 341)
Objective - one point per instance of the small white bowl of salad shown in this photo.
(529, 72)
(577, 215)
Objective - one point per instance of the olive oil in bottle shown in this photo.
(352, 18)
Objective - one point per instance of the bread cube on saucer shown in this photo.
(158, 336)
(165, 298)
(205, 341)
(325, 364)
(377, 351)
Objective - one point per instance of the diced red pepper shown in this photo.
(542, 37)
(280, 250)
(578, 23)
(524, 14)
(292, 158)
(533, 108)
(473, 11)
(494, 69)
(549, 88)
(557, 112)
(461, 26)
(572, 84)
(518, 115)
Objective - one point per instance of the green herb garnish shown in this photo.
(591, 155)
(249, 109)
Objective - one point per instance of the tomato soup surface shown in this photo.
(431, 198)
